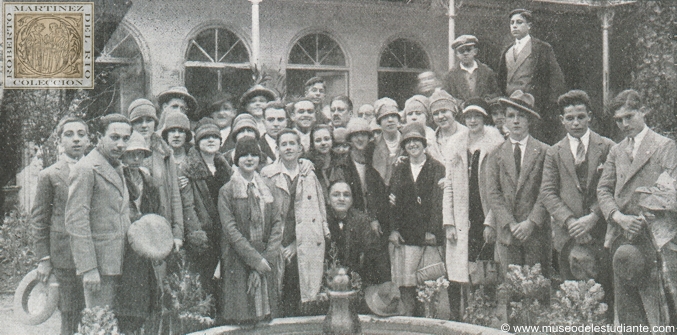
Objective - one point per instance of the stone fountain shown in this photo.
(342, 319)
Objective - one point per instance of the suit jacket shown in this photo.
(48, 216)
(267, 150)
(97, 215)
(382, 161)
(486, 86)
(418, 208)
(621, 176)
(563, 194)
(375, 202)
(547, 79)
(514, 199)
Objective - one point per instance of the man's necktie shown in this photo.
(514, 52)
(580, 153)
(630, 148)
(518, 158)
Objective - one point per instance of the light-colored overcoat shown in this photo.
(97, 215)
(239, 257)
(311, 226)
(456, 198)
(439, 151)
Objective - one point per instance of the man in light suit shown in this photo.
(52, 243)
(529, 64)
(97, 212)
(636, 161)
(514, 171)
(571, 171)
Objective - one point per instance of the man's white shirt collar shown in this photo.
(638, 140)
(519, 44)
(523, 147)
(573, 142)
(469, 69)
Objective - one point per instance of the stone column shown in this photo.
(256, 38)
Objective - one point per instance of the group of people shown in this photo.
(257, 191)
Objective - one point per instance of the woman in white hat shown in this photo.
(138, 284)
(465, 208)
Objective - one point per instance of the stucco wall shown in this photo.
(361, 29)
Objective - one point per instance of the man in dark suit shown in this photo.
(513, 177)
(97, 212)
(636, 161)
(471, 78)
(52, 243)
(571, 171)
(275, 119)
(529, 64)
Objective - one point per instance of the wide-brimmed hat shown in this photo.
(384, 107)
(476, 105)
(180, 121)
(257, 90)
(31, 286)
(182, 93)
(630, 265)
(140, 108)
(521, 101)
(357, 125)
(662, 196)
(582, 261)
(413, 130)
(137, 142)
(216, 104)
(464, 40)
(384, 299)
(151, 237)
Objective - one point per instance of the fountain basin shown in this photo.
(370, 325)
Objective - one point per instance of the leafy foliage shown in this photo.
(578, 303)
(16, 244)
(185, 301)
(98, 321)
(655, 75)
(481, 309)
(526, 288)
(429, 293)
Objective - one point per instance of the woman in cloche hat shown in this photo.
(416, 227)
(465, 177)
(138, 285)
(206, 170)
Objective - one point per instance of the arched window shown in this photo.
(401, 62)
(317, 55)
(217, 63)
(120, 74)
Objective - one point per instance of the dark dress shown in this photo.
(137, 295)
(476, 212)
(201, 216)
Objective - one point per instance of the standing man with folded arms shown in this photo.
(97, 212)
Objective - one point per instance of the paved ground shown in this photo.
(8, 326)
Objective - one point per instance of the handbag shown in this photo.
(483, 272)
(431, 265)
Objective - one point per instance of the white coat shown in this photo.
(311, 227)
(455, 206)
